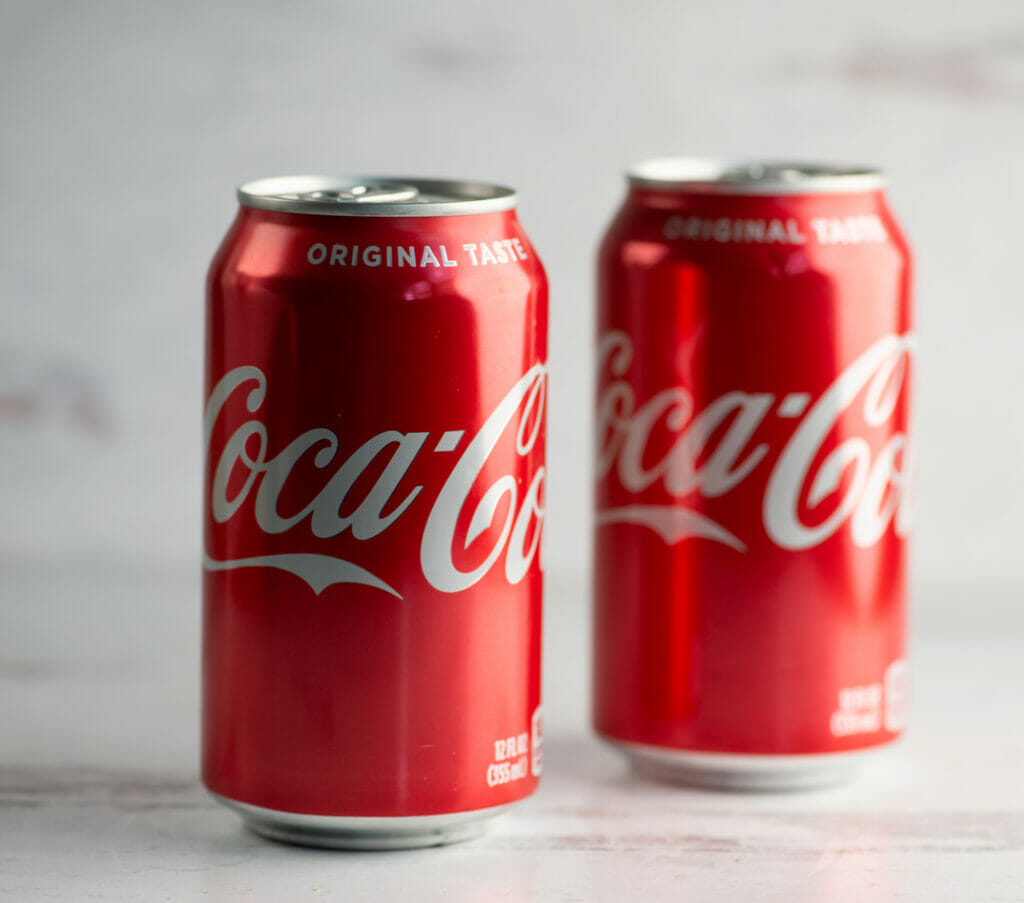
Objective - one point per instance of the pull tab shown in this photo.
(780, 173)
(364, 193)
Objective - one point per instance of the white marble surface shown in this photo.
(99, 798)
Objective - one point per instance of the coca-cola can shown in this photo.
(374, 497)
(754, 473)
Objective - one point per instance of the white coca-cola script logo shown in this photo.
(245, 452)
(877, 492)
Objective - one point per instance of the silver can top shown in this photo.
(374, 196)
(711, 176)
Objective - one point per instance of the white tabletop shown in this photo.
(99, 796)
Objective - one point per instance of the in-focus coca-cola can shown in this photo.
(754, 473)
(374, 496)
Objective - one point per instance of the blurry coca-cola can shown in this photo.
(754, 473)
(374, 496)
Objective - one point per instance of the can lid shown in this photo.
(374, 196)
(712, 176)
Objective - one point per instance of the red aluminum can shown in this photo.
(754, 473)
(374, 496)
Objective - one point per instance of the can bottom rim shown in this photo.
(743, 772)
(362, 832)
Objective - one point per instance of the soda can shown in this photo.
(754, 473)
(373, 504)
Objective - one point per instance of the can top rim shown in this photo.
(709, 175)
(374, 196)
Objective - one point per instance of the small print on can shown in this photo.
(754, 473)
(376, 366)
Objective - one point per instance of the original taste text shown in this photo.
(474, 254)
(822, 230)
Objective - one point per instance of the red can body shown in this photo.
(373, 505)
(754, 470)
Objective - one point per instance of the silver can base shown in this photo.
(739, 772)
(361, 833)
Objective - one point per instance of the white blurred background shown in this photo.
(127, 126)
